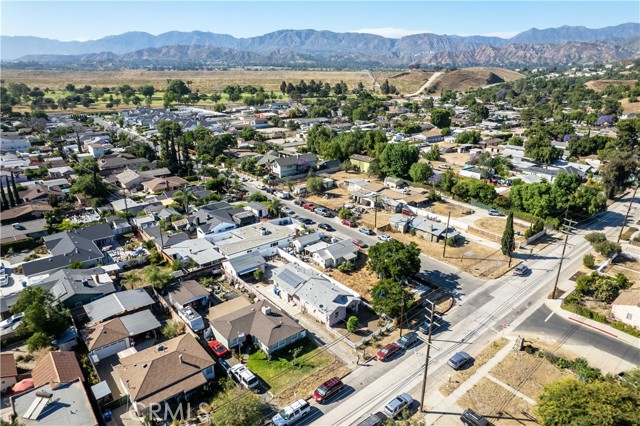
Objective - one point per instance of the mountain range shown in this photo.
(325, 48)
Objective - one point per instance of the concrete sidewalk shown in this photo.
(555, 306)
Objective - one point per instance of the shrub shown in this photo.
(258, 275)
(346, 267)
(172, 329)
(589, 260)
(595, 237)
(352, 324)
(607, 248)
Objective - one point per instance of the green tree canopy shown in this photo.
(397, 158)
(237, 407)
(508, 237)
(394, 260)
(315, 185)
(41, 312)
(420, 172)
(387, 297)
(441, 117)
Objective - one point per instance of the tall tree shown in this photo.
(235, 407)
(394, 260)
(441, 118)
(12, 201)
(388, 297)
(5, 202)
(508, 238)
(14, 188)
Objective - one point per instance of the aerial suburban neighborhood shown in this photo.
(415, 243)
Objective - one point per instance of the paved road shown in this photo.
(605, 351)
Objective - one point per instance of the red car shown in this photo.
(328, 389)
(388, 351)
(309, 206)
(349, 223)
(359, 243)
(218, 348)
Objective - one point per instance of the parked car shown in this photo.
(384, 237)
(261, 187)
(360, 243)
(387, 352)
(408, 340)
(366, 231)
(309, 206)
(306, 221)
(349, 223)
(494, 212)
(287, 210)
(424, 327)
(12, 322)
(322, 212)
(376, 419)
(407, 212)
(397, 404)
(471, 418)
(244, 376)
(328, 389)
(444, 167)
(218, 348)
(326, 227)
(459, 360)
(298, 202)
(291, 413)
(521, 269)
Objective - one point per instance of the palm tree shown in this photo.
(183, 197)
(274, 207)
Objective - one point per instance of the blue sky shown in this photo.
(88, 19)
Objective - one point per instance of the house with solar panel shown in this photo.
(315, 293)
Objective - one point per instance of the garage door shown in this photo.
(111, 349)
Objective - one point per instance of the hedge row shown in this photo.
(588, 313)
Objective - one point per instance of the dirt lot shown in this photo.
(443, 208)
(629, 107)
(406, 81)
(527, 373)
(461, 376)
(205, 81)
(599, 85)
(339, 197)
(496, 226)
(466, 78)
(306, 386)
(362, 280)
(456, 158)
(473, 258)
(368, 219)
(496, 403)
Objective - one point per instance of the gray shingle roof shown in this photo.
(117, 303)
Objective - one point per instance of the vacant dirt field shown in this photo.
(629, 107)
(205, 81)
(461, 376)
(339, 197)
(369, 219)
(443, 208)
(527, 373)
(361, 280)
(455, 158)
(406, 81)
(497, 403)
(496, 226)
(473, 258)
(467, 78)
(599, 85)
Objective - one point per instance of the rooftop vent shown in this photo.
(266, 310)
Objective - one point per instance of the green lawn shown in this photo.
(280, 373)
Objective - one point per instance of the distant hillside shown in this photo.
(326, 48)
(471, 78)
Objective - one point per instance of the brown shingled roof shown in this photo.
(8, 366)
(151, 373)
(56, 368)
(630, 297)
(106, 333)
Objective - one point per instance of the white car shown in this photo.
(291, 413)
(261, 187)
(11, 323)
(397, 404)
(384, 237)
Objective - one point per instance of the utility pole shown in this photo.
(446, 236)
(568, 223)
(627, 215)
(426, 361)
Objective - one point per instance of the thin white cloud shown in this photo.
(390, 32)
(502, 34)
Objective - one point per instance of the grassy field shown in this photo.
(204, 81)
(405, 82)
(471, 78)
(599, 85)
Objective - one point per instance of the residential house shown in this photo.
(262, 238)
(128, 205)
(306, 240)
(30, 229)
(187, 293)
(56, 368)
(194, 254)
(472, 171)
(334, 255)
(162, 239)
(82, 245)
(110, 337)
(218, 217)
(61, 172)
(244, 264)
(41, 193)
(67, 404)
(267, 326)
(12, 142)
(294, 165)
(165, 373)
(130, 179)
(428, 229)
(117, 304)
(24, 212)
(76, 287)
(361, 162)
(325, 299)
(258, 209)
(394, 183)
(8, 372)
(626, 307)
(114, 163)
(164, 184)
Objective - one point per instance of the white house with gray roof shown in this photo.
(333, 255)
(262, 238)
(315, 293)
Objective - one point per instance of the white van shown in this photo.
(291, 413)
(244, 376)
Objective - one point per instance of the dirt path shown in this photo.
(428, 83)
